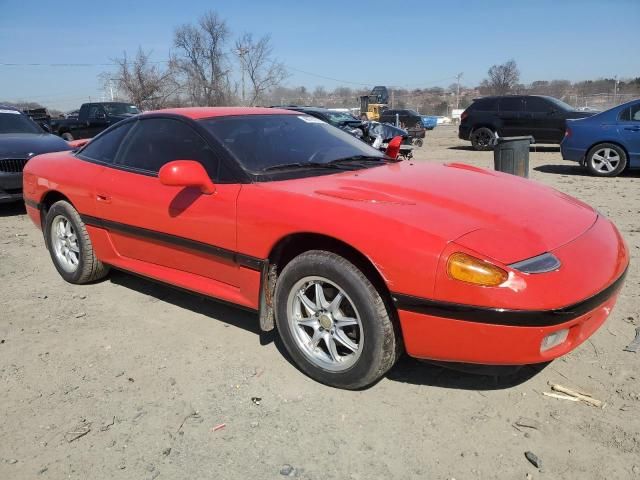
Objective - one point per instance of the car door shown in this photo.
(174, 227)
(629, 131)
(542, 120)
(96, 120)
(511, 123)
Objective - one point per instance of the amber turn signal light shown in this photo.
(466, 268)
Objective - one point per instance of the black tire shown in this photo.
(482, 139)
(381, 345)
(598, 168)
(89, 268)
(418, 142)
(67, 136)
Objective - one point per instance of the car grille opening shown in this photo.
(12, 165)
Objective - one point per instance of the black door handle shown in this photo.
(633, 129)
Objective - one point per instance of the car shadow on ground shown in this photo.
(461, 376)
(12, 209)
(575, 169)
(534, 148)
(407, 370)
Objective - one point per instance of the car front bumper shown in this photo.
(10, 187)
(452, 340)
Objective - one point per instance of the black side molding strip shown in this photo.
(241, 259)
(32, 204)
(498, 316)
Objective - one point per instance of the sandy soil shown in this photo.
(126, 379)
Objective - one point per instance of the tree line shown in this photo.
(202, 69)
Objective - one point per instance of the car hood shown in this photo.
(501, 216)
(22, 145)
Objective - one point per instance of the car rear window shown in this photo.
(484, 105)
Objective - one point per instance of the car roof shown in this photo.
(7, 107)
(297, 108)
(197, 113)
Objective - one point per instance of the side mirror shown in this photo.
(186, 173)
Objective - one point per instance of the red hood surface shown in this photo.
(499, 215)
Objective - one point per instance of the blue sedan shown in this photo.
(606, 143)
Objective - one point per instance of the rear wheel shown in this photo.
(333, 322)
(70, 246)
(483, 138)
(606, 160)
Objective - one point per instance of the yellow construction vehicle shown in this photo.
(372, 105)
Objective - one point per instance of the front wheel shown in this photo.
(333, 321)
(606, 160)
(67, 136)
(70, 246)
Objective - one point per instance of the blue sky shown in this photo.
(408, 44)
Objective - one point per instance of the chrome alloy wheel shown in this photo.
(605, 160)
(325, 323)
(65, 244)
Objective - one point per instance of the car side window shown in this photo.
(634, 113)
(105, 147)
(510, 104)
(96, 111)
(538, 105)
(154, 142)
(485, 105)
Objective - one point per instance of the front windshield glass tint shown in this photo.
(263, 141)
(340, 117)
(12, 121)
(121, 109)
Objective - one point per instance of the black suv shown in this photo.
(408, 118)
(541, 117)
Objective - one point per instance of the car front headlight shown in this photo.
(469, 269)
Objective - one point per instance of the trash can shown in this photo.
(511, 155)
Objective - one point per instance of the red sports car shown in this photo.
(353, 256)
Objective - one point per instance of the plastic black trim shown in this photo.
(499, 316)
(247, 261)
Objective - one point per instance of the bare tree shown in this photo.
(257, 61)
(202, 60)
(143, 82)
(502, 78)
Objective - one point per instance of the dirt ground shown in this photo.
(126, 379)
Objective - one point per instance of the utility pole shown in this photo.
(241, 52)
(615, 90)
(458, 77)
(392, 99)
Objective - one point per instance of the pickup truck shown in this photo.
(92, 119)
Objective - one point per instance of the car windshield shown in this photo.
(261, 142)
(121, 109)
(413, 113)
(12, 121)
(340, 117)
(560, 104)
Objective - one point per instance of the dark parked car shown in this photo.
(408, 118)
(606, 143)
(20, 139)
(543, 118)
(92, 119)
(342, 120)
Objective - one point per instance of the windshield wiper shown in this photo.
(359, 159)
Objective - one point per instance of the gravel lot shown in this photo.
(126, 379)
